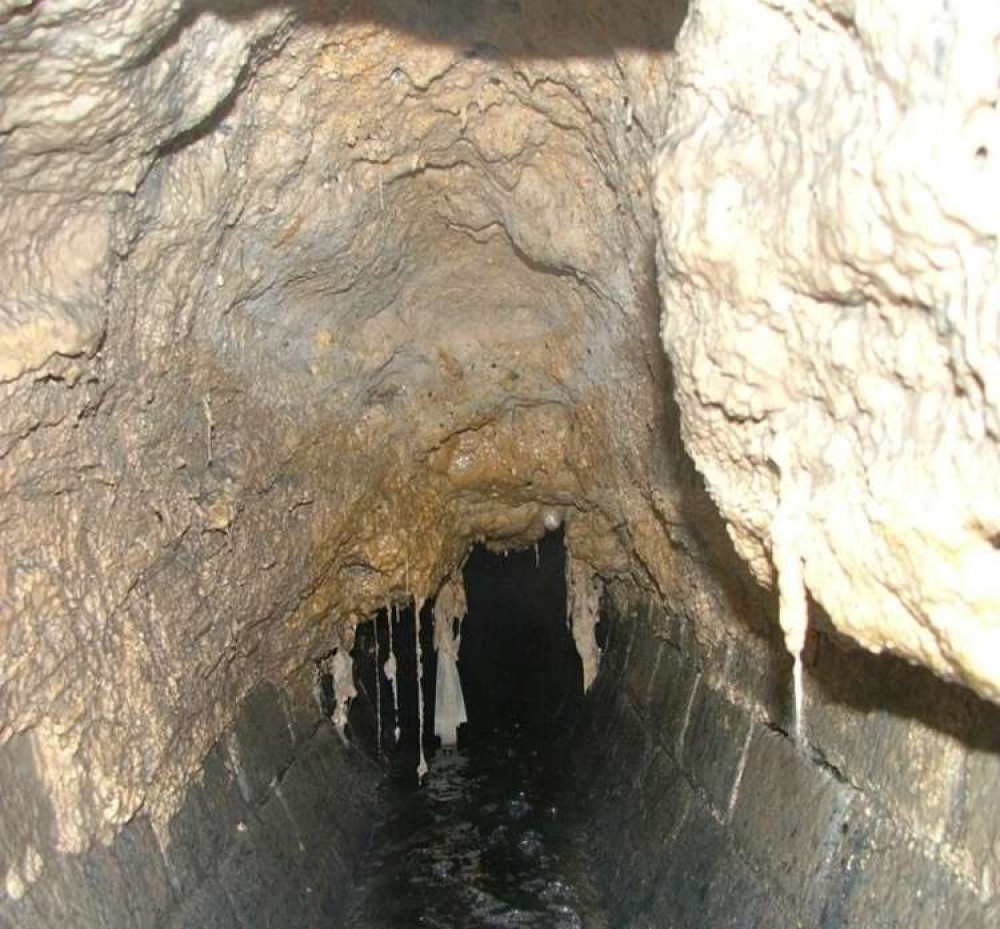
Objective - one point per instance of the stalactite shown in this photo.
(793, 607)
(342, 669)
(390, 672)
(450, 607)
(378, 691)
(422, 764)
(583, 606)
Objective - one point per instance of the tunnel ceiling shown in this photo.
(303, 300)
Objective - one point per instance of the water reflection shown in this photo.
(492, 839)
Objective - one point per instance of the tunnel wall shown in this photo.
(265, 837)
(709, 815)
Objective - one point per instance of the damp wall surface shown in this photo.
(267, 835)
(707, 813)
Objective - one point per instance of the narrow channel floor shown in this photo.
(493, 838)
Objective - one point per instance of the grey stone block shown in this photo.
(642, 845)
(759, 673)
(302, 708)
(788, 815)
(207, 908)
(714, 744)
(264, 742)
(221, 797)
(628, 748)
(739, 898)
(251, 878)
(915, 770)
(313, 806)
(343, 817)
(889, 880)
(206, 825)
(63, 896)
(707, 650)
(601, 707)
(617, 647)
(685, 884)
(891, 729)
(198, 836)
(305, 719)
(107, 885)
(975, 826)
(18, 914)
(148, 893)
(307, 800)
(642, 661)
(280, 862)
(665, 793)
(669, 626)
(353, 777)
(673, 687)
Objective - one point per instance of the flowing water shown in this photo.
(493, 838)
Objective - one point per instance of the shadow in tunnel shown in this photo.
(518, 663)
(490, 29)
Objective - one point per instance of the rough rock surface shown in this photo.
(827, 195)
(302, 300)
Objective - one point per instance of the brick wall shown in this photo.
(709, 815)
(266, 837)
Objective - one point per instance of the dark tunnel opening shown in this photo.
(518, 664)
(495, 832)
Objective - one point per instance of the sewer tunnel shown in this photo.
(313, 310)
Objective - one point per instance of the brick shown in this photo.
(642, 662)
(889, 880)
(739, 899)
(788, 816)
(673, 687)
(893, 730)
(253, 877)
(148, 893)
(197, 840)
(714, 744)
(975, 826)
(682, 894)
(759, 674)
(617, 647)
(264, 742)
(207, 908)
(63, 896)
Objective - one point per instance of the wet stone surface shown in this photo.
(493, 838)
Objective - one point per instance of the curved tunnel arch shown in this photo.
(308, 299)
